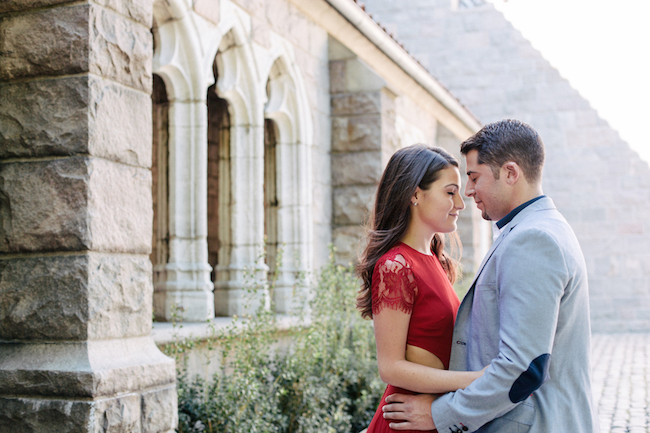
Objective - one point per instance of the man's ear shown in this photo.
(512, 172)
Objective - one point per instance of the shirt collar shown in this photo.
(513, 213)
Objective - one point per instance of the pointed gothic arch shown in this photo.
(240, 255)
(187, 52)
(182, 284)
(286, 112)
(160, 185)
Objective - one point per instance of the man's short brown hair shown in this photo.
(508, 140)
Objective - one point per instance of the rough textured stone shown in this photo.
(159, 410)
(348, 242)
(48, 383)
(75, 297)
(359, 168)
(363, 137)
(74, 323)
(120, 50)
(122, 414)
(80, 38)
(44, 298)
(137, 10)
(356, 104)
(76, 39)
(21, 5)
(112, 104)
(44, 206)
(357, 133)
(352, 204)
(118, 415)
(46, 42)
(44, 117)
(120, 295)
(84, 369)
(75, 204)
(75, 115)
(23, 415)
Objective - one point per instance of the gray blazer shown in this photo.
(527, 315)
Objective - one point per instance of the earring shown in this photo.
(415, 204)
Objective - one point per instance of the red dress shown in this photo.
(407, 280)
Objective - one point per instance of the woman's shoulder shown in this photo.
(397, 254)
(395, 260)
(402, 258)
(393, 283)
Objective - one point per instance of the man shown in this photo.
(526, 314)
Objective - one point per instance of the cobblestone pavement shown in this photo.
(621, 380)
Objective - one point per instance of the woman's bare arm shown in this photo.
(391, 328)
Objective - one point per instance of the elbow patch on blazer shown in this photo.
(531, 379)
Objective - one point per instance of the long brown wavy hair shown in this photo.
(411, 167)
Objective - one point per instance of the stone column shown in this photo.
(183, 283)
(294, 234)
(76, 221)
(293, 184)
(243, 263)
(363, 138)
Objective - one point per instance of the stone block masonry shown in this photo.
(369, 123)
(66, 123)
(594, 178)
(76, 221)
(360, 134)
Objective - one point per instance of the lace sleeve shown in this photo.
(393, 285)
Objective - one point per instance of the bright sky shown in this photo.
(603, 48)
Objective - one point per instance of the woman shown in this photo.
(407, 276)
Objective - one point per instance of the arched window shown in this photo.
(182, 285)
(287, 186)
(271, 200)
(218, 180)
(160, 186)
(241, 196)
(225, 190)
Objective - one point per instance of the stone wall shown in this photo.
(309, 45)
(273, 67)
(595, 179)
(369, 123)
(75, 221)
(270, 63)
(363, 137)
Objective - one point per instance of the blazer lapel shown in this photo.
(543, 203)
(458, 360)
(487, 257)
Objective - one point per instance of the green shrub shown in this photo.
(315, 378)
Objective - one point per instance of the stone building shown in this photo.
(156, 156)
(303, 110)
(598, 183)
(160, 154)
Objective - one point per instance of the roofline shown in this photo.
(346, 21)
(359, 18)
